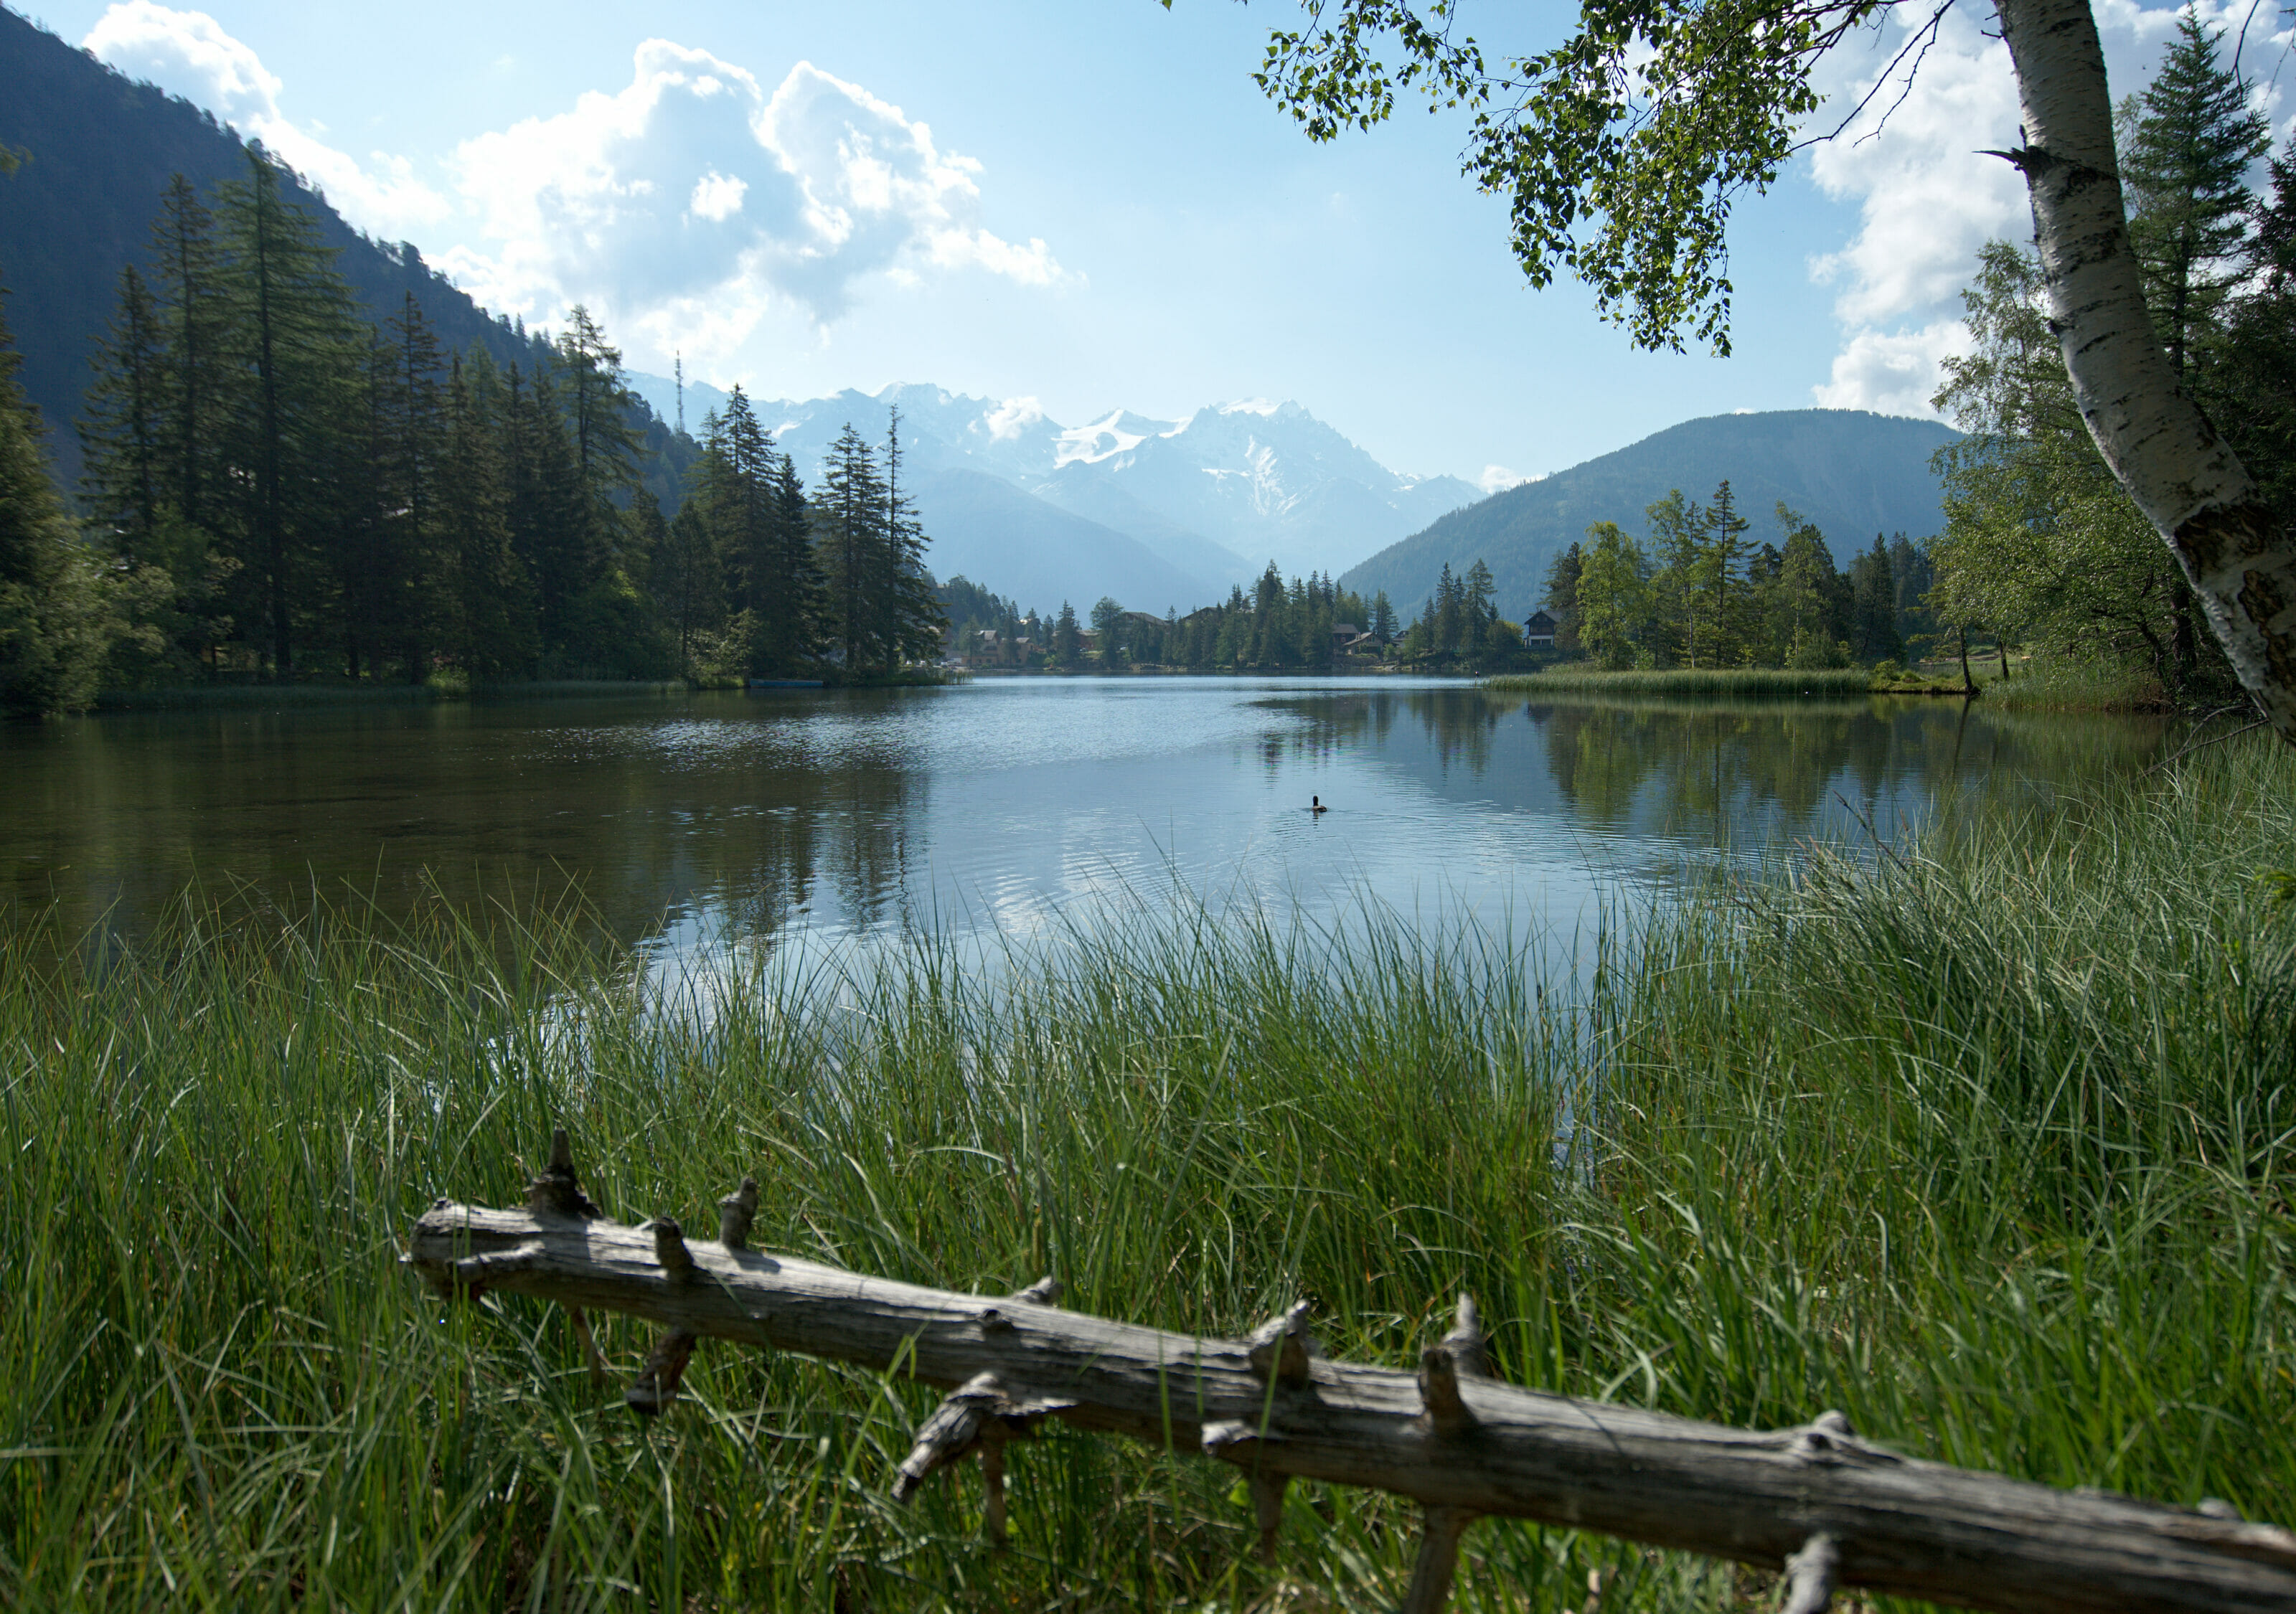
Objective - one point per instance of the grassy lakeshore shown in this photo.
(1986, 1143)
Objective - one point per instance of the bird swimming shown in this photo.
(1315, 804)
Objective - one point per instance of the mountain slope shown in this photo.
(100, 150)
(1854, 474)
(984, 528)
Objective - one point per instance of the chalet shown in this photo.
(1538, 632)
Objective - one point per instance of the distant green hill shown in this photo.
(98, 149)
(1854, 474)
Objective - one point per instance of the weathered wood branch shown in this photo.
(1830, 1510)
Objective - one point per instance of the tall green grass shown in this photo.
(1984, 1141)
(1578, 677)
(2075, 686)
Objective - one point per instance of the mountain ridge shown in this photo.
(1853, 473)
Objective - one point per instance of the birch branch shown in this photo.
(1829, 1508)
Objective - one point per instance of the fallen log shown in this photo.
(1826, 1508)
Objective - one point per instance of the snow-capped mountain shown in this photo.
(1185, 507)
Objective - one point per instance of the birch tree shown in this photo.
(1623, 148)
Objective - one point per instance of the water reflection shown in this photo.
(1003, 806)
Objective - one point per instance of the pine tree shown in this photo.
(52, 637)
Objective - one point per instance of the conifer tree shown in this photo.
(1716, 586)
(911, 619)
(853, 544)
(201, 384)
(124, 431)
(292, 337)
(490, 625)
(549, 527)
(2185, 164)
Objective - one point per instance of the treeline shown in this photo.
(1274, 626)
(1696, 593)
(2040, 544)
(277, 487)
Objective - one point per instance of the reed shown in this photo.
(1576, 677)
(1983, 1140)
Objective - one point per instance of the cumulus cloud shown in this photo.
(683, 206)
(1891, 371)
(1927, 197)
(1498, 479)
(690, 201)
(188, 54)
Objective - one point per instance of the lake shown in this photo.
(805, 816)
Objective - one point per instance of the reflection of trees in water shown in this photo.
(1460, 722)
(440, 809)
(1727, 767)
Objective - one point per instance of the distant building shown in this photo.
(1538, 632)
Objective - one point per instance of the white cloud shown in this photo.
(188, 54)
(1891, 373)
(690, 202)
(1013, 416)
(1498, 479)
(682, 208)
(1928, 196)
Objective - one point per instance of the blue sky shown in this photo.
(1076, 205)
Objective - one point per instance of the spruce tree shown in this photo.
(2185, 170)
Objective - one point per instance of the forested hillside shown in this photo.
(1849, 474)
(98, 152)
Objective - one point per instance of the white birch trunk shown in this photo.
(2182, 474)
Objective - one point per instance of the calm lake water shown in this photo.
(810, 817)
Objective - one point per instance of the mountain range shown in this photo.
(1854, 475)
(1156, 514)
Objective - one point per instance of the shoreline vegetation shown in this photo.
(2058, 686)
(1984, 1140)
